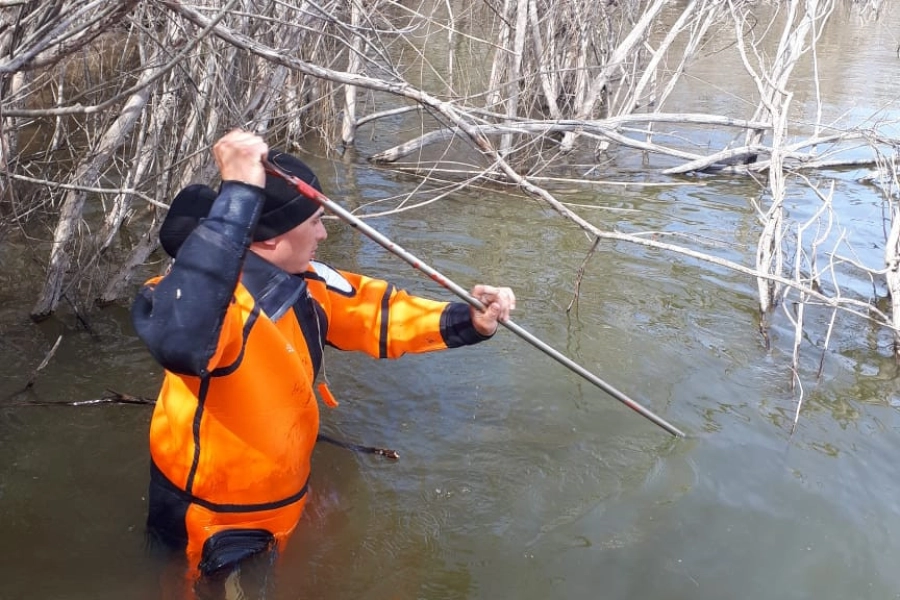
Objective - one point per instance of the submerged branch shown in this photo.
(596, 77)
(31, 380)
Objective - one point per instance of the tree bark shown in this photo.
(348, 127)
(892, 274)
(87, 173)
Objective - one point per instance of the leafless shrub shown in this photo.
(106, 112)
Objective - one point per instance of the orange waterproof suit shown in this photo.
(241, 342)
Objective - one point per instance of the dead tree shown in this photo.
(546, 83)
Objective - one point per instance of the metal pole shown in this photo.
(314, 194)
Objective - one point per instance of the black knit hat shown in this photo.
(189, 207)
(284, 207)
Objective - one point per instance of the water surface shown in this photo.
(517, 478)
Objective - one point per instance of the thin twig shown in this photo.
(31, 380)
(580, 274)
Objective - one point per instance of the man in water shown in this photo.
(241, 336)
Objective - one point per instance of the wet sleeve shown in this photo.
(182, 316)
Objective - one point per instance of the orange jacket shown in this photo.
(243, 432)
(236, 419)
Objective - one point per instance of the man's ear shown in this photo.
(268, 244)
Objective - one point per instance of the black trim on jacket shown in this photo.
(180, 317)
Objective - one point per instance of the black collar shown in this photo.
(274, 290)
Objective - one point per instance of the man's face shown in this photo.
(296, 247)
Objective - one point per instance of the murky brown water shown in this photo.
(518, 479)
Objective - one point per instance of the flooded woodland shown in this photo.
(695, 200)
